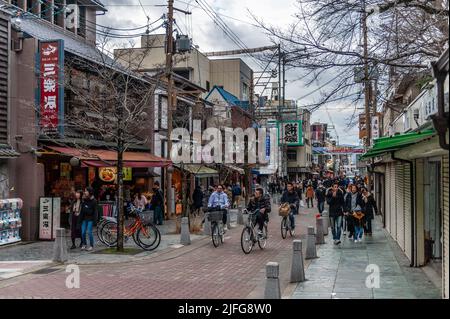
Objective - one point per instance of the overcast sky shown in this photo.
(209, 37)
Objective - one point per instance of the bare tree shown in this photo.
(114, 103)
(325, 42)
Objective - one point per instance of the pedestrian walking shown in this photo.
(352, 200)
(310, 195)
(88, 215)
(236, 193)
(335, 200)
(370, 209)
(157, 204)
(197, 200)
(359, 223)
(320, 196)
(74, 218)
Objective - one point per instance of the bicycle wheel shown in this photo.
(148, 237)
(215, 234)
(284, 227)
(262, 241)
(109, 234)
(247, 240)
(99, 230)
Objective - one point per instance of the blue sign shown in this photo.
(268, 145)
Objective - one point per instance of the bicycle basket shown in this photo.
(215, 216)
(284, 210)
(146, 216)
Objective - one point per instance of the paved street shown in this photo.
(196, 271)
(340, 271)
(202, 271)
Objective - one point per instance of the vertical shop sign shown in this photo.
(45, 218)
(51, 88)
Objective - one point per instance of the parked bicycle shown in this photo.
(249, 236)
(217, 231)
(144, 234)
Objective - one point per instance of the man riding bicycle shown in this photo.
(218, 201)
(290, 196)
(261, 202)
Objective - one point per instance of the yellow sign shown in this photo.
(65, 169)
(127, 174)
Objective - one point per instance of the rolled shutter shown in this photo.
(407, 209)
(400, 218)
(445, 231)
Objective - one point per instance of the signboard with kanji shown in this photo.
(45, 218)
(290, 133)
(51, 88)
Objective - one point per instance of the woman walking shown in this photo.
(359, 223)
(88, 215)
(74, 218)
(370, 206)
(310, 195)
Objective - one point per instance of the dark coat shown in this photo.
(320, 194)
(348, 202)
(88, 210)
(370, 206)
(157, 199)
(262, 202)
(75, 221)
(197, 198)
(291, 198)
(336, 203)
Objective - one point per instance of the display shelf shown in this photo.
(10, 220)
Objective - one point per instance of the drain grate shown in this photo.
(45, 271)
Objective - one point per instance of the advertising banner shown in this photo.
(51, 88)
(290, 133)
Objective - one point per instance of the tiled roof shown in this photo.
(7, 151)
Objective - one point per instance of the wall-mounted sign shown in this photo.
(127, 174)
(51, 90)
(290, 133)
(65, 169)
(107, 174)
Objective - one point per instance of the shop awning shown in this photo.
(103, 158)
(200, 171)
(7, 151)
(235, 168)
(384, 145)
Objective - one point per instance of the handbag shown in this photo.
(284, 210)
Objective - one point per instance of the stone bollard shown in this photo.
(60, 246)
(272, 290)
(297, 269)
(207, 225)
(185, 234)
(319, 231)
(311, 251)
(326, 222)
(240, 216)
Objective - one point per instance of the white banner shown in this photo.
(45, 218)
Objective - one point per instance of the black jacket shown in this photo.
(157, 199)
(197, 197)
(320, 194)
(348, 202)
(291, 198)
(370, 206)
(88, 209)
(336, 203)
(262, 202)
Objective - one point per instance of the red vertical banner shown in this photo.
(50, 64)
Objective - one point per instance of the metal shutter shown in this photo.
(394, 183)
(399, 213)
(387, 197)
(407, 209)
(445, 232)
(4, 48)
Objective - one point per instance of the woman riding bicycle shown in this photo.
(290, 196)
(262, 203)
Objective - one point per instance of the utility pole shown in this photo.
(170, 100)
(366, 86)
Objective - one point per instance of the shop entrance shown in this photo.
(433, 222)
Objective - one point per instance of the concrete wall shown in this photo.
(231, 74)
(26, 176)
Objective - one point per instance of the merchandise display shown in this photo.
(10, 220)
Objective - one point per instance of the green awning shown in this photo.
(198, 170)
(384, 145)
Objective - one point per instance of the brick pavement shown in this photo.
(189, 272)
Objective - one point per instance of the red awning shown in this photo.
(103, 158)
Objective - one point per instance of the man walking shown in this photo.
(157, 204)
(335, 199)
(320, 196)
